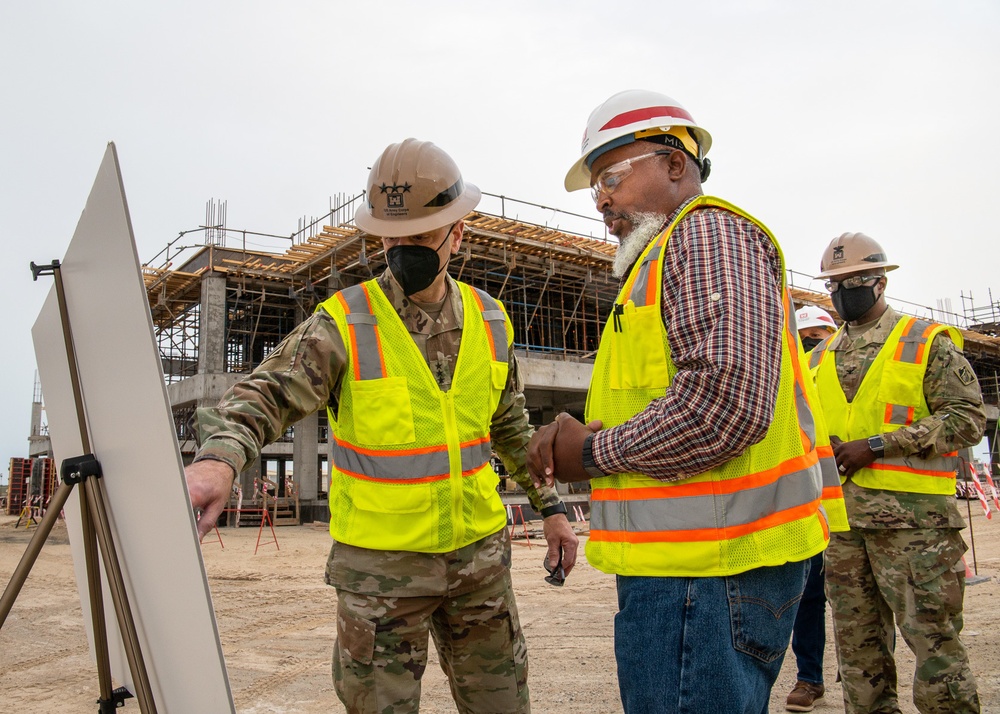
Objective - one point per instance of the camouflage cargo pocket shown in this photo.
(938, 556)
(356, 637)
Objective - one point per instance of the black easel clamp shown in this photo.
(117, 700)
(77, 469)
(49, 269)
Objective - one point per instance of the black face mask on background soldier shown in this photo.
(809, 343)
(415, 266)
(852, 303)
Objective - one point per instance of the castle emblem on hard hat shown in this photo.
(838, 253)
(395, 191)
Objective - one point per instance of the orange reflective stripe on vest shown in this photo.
(761, 508)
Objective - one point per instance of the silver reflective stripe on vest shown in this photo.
(641, 284)
(828, 467)
(405, 466)
(495, 323)
(475, 455)
(742, 507)
(912, 341)
(365, 332)
(806, 422)
(899, 414)
(817, 354)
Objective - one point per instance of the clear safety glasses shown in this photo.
(610, 179)
(855, 281)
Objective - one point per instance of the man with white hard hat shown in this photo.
(700, 443)
(420, 541)
(814, 325)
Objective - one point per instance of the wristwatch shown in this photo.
(553, 510)
(877, 446)
(592, 469)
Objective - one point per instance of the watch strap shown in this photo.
(589, 465)
(877, 445)
(553, 509)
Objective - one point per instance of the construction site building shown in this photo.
(219, 309)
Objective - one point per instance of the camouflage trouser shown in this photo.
(463, 599)
(916, 576)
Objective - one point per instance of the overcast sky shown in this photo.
(870, 116)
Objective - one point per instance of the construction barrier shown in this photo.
(514, 513)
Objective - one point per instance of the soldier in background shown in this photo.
(814, 325)
(899, 400)
(420, 533)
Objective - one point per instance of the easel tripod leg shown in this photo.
(31, 552)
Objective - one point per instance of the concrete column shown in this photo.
(305, 457)
(212, 328)
(248, 476)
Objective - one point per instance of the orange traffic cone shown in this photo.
(970, 577)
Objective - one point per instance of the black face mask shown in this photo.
(809, 343)
(415, 266)
(852, 303)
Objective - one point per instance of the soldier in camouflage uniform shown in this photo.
(900, 565)
(388, 600)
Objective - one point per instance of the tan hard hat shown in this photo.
(414, 187)
(850, 253)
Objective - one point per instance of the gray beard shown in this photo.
(645, 227)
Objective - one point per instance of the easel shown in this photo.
(86, 471)
(28, 513)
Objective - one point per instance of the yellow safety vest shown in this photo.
(891, 396)
(761, 508)
(833, 494)
(411, 464)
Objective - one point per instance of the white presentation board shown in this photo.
(132, 436)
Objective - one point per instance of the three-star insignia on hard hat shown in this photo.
(395, 188)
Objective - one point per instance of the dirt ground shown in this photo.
(277, 623)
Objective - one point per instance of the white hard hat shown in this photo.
(630, 115)
(812, 316)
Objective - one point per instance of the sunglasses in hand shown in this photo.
(556, 576)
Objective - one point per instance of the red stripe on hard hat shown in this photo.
(635, 115)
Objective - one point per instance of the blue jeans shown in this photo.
(696, 645)
(809, 633)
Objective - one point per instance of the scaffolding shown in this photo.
(555, 283)
(982, 318)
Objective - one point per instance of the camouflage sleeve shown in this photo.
(958, 417)
(511, 433)
(299, 377)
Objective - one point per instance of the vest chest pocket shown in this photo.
(388, 500)
(498, 375)
(382, 412)
(902, 383)
(638, 357)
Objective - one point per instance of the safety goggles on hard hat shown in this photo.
(855, 281)
(611, 177)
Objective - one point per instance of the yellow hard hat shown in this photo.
(850, 253)
(414, 187)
